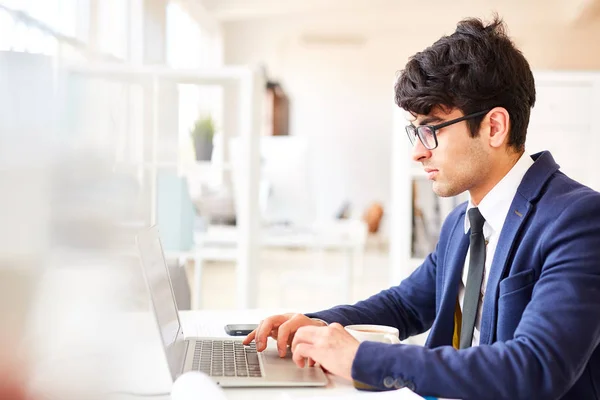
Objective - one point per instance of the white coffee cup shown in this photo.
(374, 333)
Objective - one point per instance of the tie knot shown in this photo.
(476, 220)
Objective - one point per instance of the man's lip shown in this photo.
(431, 174)
(428, 170)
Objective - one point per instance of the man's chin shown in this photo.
(443, 190)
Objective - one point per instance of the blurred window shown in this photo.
(32, 26)
(190, 46)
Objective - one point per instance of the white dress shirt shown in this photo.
(494, 207)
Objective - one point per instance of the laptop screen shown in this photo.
(157, 277)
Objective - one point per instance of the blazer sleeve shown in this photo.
(409, 306)
(558, 332)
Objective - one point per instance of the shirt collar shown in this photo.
(495, 205)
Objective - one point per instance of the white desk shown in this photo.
(153, 377)
(219, 243)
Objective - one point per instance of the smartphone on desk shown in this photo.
(239, 329)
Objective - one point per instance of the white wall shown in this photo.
(341, 98)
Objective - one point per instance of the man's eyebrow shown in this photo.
(429, 120)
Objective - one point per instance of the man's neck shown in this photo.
(495, 176)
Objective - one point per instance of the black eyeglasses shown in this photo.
(427, 135)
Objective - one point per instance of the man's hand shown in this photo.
(281, 328)
(331, 346)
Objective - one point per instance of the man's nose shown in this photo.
(420, 152)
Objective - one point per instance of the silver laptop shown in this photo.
(227, 361)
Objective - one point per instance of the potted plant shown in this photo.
(202, 135)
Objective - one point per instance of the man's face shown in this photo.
(459, 162)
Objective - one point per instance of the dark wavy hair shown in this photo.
(474, 69)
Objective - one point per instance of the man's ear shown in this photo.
(499, 126)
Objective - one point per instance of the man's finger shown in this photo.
(311, 362)
(305, 334)
(265, 328)
(250, 337)
(303, 351)
(286, 331)
(282, 337)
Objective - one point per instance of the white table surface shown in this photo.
(334, 234)
(146, 370)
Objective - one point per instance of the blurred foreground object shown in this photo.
(66, 214)
(196, 385)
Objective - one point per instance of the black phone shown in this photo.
(239, 329)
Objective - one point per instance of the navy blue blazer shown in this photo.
(540, 324)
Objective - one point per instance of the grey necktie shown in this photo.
(474, 278)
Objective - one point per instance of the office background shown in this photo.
(308, 198)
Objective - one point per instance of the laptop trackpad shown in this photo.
(284, 369)
(271, 357)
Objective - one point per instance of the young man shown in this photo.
(512, 291)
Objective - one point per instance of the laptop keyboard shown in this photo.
(226, 358)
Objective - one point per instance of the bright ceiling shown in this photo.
(392, 13)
